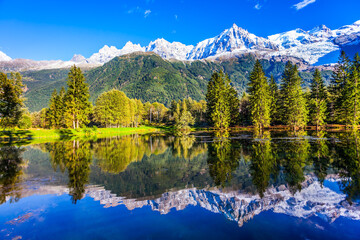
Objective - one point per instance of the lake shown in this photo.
(274, 185)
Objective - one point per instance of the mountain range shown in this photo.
(320, 45)
(314, 200)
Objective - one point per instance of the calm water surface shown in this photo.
(271, 186)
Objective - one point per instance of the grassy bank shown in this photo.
(55, 134)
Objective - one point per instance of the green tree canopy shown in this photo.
(77, 105)
(11, 101)
(260, 98)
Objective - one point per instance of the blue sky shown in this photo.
(58, 29)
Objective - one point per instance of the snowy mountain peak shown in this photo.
(321, 31)
(78, 58)
(130, 48)
(357, 23)
(104, 55)
(107, 49)
(4, 57)
(234, 39)
(167, 50)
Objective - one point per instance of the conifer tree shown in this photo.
(11, 101)
(293, 103)
(339, 79)
(77, 105)
(234, 103)
(350, 104)
(318, 100)
(55, 112)
(260, 99)
(220, 98)
(274, 95)
(52, 109)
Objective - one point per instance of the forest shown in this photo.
(264, 104)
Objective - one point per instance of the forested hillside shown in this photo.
(148, 77)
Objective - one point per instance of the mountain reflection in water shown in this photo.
(240, 176)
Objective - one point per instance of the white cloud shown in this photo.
(134, 10)
(257, 6)
(147, 13)
(303, 4)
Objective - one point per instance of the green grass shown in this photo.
(57, 134)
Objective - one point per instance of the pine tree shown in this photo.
(55, 112)
(318, 103)
(222, 103)
(260, 99)
(339, 79)
(234, 103)
(11, 101)
(51, 113)
(293, 103)
(350, 104)
(274, 95)
(77, 105)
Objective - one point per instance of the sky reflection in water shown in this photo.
(275, 185)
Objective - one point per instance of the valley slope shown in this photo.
(149, 77)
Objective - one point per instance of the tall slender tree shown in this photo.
(340, 76)
(222, 101)
(55, 112)
(274, 94)
(318, 100)
(293, 103)
(260, 99)
(77, 105)
(350, 104)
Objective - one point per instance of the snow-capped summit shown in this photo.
(307, 45)
(292, 38)
(167, 50)
(321, 31)
(104, 55)
(4, 57)
(348, 29)
(230, 40)
(78, 58)
(130, 48)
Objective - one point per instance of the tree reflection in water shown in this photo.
(148, 165)
(223, 158)
(11, 172)
(74, 156)
(347, 161)
(320, 156)
(263, 161)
